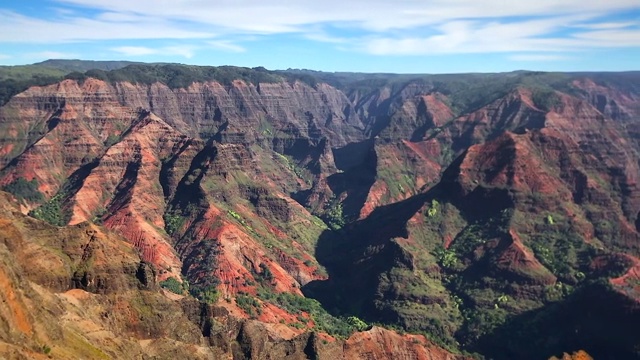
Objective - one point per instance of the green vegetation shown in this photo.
(446, 258)
(399, 178)
(560, 252)
(479, 232)
(173, 222)
(235, 215)
(323, 320)
(29, 72)
(557, 292)
(16, 79)
(249, 305)
(549, 219)
(481, 322)
(23, 189)
(357, 323)
(173, 285)
(111, 140)
(208, 294)
(433, 209)
(265, 273)
(242, 222)
(545, 98)
(81, 65)
(179, 76)
(291, 164)
(334, 216)
(204, 254)
(53, 211)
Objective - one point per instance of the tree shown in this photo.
(357, 323)
(433, 209)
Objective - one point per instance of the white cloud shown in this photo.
(607, 25)
(552, 34)
(537, 57)
(16, 28)
(316, 33)
(382, 27)
(277, 16)
(612, 38)
(4, 56)
(226, 45)
(185, 51)
(134, 50)
(50, 55)
(475, 37)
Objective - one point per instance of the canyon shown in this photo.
(218, 212)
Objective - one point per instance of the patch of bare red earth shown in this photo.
(379, 344)
(437, 108)
(629, 282)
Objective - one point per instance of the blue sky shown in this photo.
(401, 36)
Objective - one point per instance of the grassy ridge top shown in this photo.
(466, 91)
(179, 76)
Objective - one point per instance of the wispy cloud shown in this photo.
(380, 27)
(611, 38)
(16, 28)
(132, 51)
(226, 45)
(550, 34)
(50, 55)
(607, 25)
(379, 15)
(538, 57)
(476, 37)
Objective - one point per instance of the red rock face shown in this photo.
(379, 343)
(63, 126)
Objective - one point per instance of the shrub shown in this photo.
(549, 219)
(46, 349)
(324, 321)
(208, 294)
(265, 273)
(172, 285)
(52, 212)
(335, 217)
(173, 222)
(23, 189)
(249, 305)
(433, 209)
(446, 258)
(357, 323)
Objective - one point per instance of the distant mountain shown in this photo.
(84, 65)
